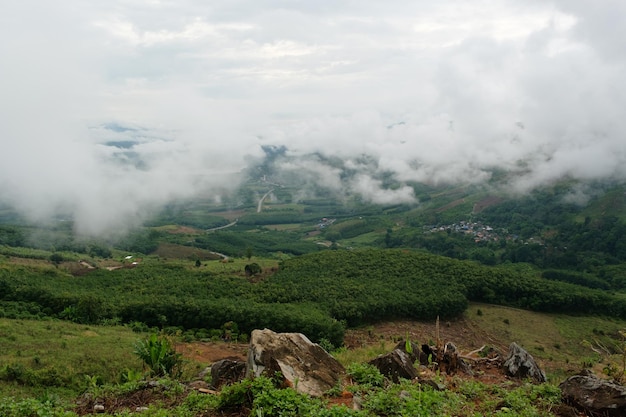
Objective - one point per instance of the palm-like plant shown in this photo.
(160, 356)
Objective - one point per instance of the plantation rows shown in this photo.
(317, 294)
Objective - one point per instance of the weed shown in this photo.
(365, 375)
(326, 344)
(285, 402)
(408, 347)
(243, 392)
(10, 407)
(201, 404)
(335, 391)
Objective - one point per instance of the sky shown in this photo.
(109, 110)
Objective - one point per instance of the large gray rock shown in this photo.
(520, 364)
(304, 365)
(594, 395)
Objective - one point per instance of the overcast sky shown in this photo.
(436, 91)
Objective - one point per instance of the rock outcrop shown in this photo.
(304, 365)
(398, 364)
(520, 364)
(594, 395)
(227, 371)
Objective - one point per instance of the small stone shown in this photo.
(207, 391)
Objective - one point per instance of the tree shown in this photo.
(252, 269)
(56, 259)
(101, 251)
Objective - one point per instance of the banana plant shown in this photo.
(158, 354)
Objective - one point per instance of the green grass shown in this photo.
(364, 240)
(30, 253)
(558, 341)
(364, 354)
(86, 355)
(169, 250)
(65, 351)
(269, 206)
(285, 226)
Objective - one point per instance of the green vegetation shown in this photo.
(313, 293)
(541, 252)
(100, 368)
(159, 354)
(261, 397)
(260, 242)
(54, 356)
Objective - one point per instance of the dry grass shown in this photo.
(559, 342)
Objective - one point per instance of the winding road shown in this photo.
(222, 227)
(260, 206)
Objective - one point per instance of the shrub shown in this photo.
(365, 374)
(326, 344)
(284, 403)
(253, 269)
(242, 393)
(160, 356)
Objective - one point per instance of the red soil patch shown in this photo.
(450, 205)
(210, 352)
(486, 202)
(180, 230)
(465, 336)
(171, 250)
(461, 332)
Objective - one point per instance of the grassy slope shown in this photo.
(106, 351)
(560, 342)
(71, 350)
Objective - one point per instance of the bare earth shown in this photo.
(461, 332)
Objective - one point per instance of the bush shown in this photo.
(365, 374)
(160, 356)
(284, 403)
(253, 269)
(242, 393)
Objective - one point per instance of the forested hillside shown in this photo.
(318, 294)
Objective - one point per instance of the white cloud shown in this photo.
(435, 91)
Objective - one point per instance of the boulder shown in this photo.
(227, 371)
(520, 364)
(304, 365)
(594, 395)
(396, 365)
